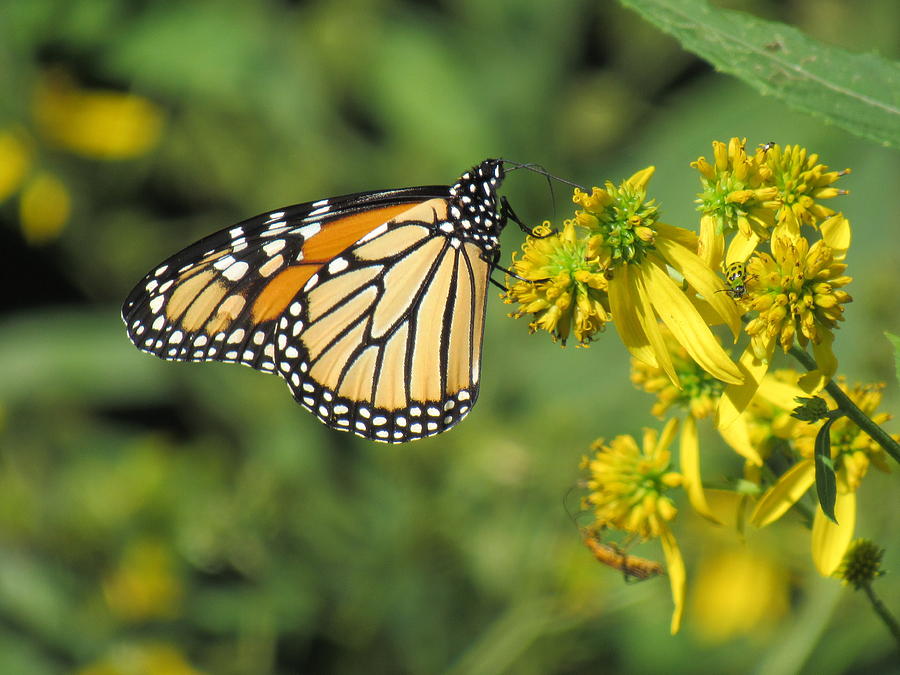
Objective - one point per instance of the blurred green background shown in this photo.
(163, 518)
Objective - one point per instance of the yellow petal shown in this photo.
(640, 179)
(677, 576)
(625, 317)
(702, 278)
(711, 246)
(707, 313)
(728, 507)
(667, 436)
(791, 486)
(689, 457)
(741, 247)
(836, 234)
(686, 325)
(650, 325)
(830, 541)
(738, 437)
(778, 393)
(737, 397)
(685, 238)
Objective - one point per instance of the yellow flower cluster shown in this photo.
(628, 485)
(561, 284)
(611, 262)
(783, 253)
(797, 292)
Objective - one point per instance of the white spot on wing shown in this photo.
(274, 247)
(224, 262)
(377, 232)
(338, 265)
(236, 271)
(308, 231)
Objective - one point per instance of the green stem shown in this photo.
(849, 408)
(883, 612)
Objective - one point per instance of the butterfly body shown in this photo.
(370, 306)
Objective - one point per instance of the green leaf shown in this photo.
(826, 486)
(895, 340)
(859, 92)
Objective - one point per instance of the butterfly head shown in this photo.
(474, 209)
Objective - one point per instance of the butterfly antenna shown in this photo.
(538, 169)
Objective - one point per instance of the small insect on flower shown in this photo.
(736, 278)
(765, 147)
(611, 555)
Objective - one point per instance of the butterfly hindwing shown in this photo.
(385, 341)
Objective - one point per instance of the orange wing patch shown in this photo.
(334, 237)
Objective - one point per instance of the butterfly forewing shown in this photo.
(218, 299)
(371, 306)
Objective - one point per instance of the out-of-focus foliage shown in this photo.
(157, 517)
(859, 92)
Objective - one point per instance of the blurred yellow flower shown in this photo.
(44, 208)
(627, 487)
(15, 161)
(153, 658)
(145, 585)
(738, 592)
(99, 124)
(852, 450)
(699, 390)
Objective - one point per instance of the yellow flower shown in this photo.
(99, 124)
(628, 485)
(151, 658)
(144, 586)
(800, 181)
(767, 420)
(636, 250)
(797, 293)
(44, 208)
(738, 593)
(736, 200)
(852, 449)
(560, 285)
(15, 160)
(699, 391)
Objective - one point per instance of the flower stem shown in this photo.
(883, 612)
(850, 409)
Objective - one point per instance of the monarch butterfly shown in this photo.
(610, 555)
(370, 306)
